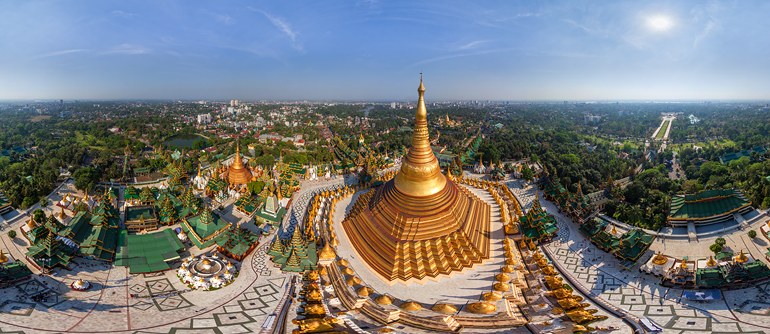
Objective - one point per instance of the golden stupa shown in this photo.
(419, 223)
(237, 173)
(741, 258)
(3, 257)
(659, 259)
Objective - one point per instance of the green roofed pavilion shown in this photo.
(203, 228)
(707, 207)
(237, 243)
(146, 253)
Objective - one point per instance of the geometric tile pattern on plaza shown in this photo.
(238, 316)
(672, 316)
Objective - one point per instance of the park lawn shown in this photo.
(663, 129)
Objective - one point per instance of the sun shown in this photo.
(659, 23)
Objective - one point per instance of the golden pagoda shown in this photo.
(3, 257)
(711, 262)
(419, 223)
(741, 258)
(659, 259)
(237, 173)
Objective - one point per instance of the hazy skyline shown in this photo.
(331, 50)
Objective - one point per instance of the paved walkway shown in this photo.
(742, 311)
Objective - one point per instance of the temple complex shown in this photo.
(419, 224)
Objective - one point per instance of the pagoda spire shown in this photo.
(420, 174)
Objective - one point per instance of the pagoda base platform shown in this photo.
(457, 287)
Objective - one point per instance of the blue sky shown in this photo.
(501, 50)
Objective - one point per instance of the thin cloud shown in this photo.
(460, 55)
(127, 49)
(282, 25)
(59, 53)
(122, 13)
(472, 45)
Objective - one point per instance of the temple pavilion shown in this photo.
(203, 228)
(419, 224)
(271, 210)
(628, 246)
(12, 271)
(295, 254)
(96, 233)
(707, 207)
(537, 224)
(50, 252)
(237, 243)
(576, 205)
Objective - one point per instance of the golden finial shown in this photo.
(711, 262)
(683, 264)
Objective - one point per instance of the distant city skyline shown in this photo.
(375, 50)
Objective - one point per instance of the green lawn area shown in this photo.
(663, 129)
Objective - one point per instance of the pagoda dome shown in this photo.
(364, 291)
(327, 253)
(238, 173)
(383, 300)
(500, 286)
(353, 281)
(491, 296)
(659, 259)
(507, 269)
(741, 258)
(444, 308)
(503, 277)
(411, 306)
(348, 271)
(482, 308)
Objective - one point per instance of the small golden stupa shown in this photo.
(444, 308)
(405, 228)
(711, 262)
(741, 258)
(411, 306)
(659, 259)
(3, 257)
(237, 173)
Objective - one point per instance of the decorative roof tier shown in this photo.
(419, 223)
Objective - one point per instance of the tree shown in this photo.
(716, 248)
(720, 241)
(752, 234)
(527, 173)
(12, 234)
(86, 178)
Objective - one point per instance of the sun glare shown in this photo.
(659, 23)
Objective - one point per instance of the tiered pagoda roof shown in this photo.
(203, 228)
(50, 252)
(419, 224)
(237, 243)
(629, 246)
(295, 254)
(576, 204)
(96, 233)
(537, 224)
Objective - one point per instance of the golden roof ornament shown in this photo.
(711, 262)
(3, 257)
(683, 264)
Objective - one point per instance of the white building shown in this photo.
(204, 118)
